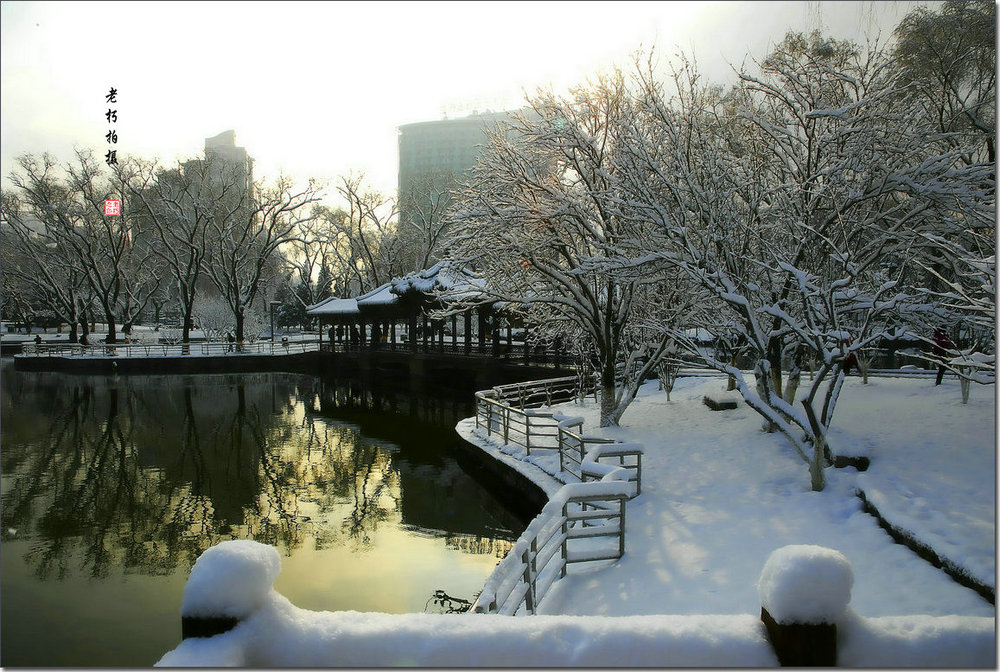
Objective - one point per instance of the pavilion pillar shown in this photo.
(527, 350)
(481, 335)
(467, 315)
(413, 332)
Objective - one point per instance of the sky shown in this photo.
(319, 89)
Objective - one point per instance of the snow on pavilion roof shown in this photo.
(457, 284)
(334, 306)
(380, 296)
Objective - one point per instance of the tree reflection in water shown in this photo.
(146, 472)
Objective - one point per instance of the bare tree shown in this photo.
(178, 211)
(79, 238)
(243, 247)
(423, 232)
(949, 57)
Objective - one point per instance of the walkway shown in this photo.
(719, 496)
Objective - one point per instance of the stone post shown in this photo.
(227, 584)
(804, 591)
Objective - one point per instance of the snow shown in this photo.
(232, 578)
(334, 306)
(283, 635)
(380, 296)
(719, 496)
(720, 499)
(805, 583)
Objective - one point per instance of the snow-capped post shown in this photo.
(227, 584)
(804, 591)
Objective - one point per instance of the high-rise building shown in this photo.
(223, 157)
(433, 155)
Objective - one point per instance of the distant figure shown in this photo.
(231, 339)
(38, 339)
(84, 340)
(941, 346)
(851, 360)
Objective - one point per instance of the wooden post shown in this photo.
(801, 644)
(468, 332)
(202, 626)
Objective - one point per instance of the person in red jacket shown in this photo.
(941, 346)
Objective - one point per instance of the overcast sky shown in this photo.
(319, 89)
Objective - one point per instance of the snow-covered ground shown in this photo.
(719, 496)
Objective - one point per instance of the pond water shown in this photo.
(112, 487)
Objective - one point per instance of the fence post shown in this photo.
(560, 434)
(565, 532)
(804, 591)
(529, 599)
(506, 425)
(527, 434)
(621, 526)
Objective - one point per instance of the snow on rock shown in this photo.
(231, 579)
(804, 583)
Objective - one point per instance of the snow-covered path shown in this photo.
(719, 495)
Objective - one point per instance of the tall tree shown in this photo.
(178, 212)
(949, 57)
(794, 202)
(244, 247)
(70, 221)
(537, 220)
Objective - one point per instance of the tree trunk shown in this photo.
(186, 328)
(240, 318)
(109, 317)
(608, 395)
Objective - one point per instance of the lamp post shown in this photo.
(271, 305)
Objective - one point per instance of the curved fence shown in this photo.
(585, 520)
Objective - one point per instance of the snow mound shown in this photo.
(232, 579)
(806, 584)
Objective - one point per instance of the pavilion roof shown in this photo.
(441, 281)
(334, 306)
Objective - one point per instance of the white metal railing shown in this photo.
(573, 524)
(581, 457)
(580, 512)
(142, 349)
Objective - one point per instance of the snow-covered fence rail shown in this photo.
(537, 393)
(159, 349)
(582, 456)
(804, 593)
(579, 511)
(526, 427)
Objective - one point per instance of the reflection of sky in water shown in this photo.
(112, 488)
